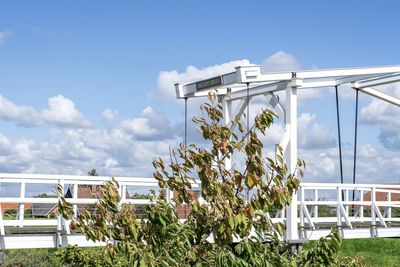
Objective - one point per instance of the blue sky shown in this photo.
(90, 73)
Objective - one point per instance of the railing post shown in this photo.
(346, 198)
(301, 212)
(123, 193)
(75, 190)
(339, 201)
(373, 213)
(21, 211)
(315, 207)
(2, 231)
(389, 207)
(361, 207)
(61, 222)
(170, 195)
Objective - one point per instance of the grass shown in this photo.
(376, 252)
(31, 258)
(382, 252)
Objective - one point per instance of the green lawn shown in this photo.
(376, 252)
(380, 252)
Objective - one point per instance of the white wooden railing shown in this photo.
(23, 225)
(375, 211)
(371, 210)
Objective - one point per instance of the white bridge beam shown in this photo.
(382, 96)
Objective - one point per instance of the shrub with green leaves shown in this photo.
(226, 228)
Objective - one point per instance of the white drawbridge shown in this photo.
(372, 211)
(246, 82)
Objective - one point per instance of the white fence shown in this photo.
(24, 230)
(374, 212)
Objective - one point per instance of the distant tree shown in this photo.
(92, 172)
(225, 229)
(45, 195)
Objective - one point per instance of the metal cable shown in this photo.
(247, 111)
(339, 135)
(248, 126)
(186, 111)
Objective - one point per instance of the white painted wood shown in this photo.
(21, 210)
(273, 100)
(2, 231)
(291, 161)
(228, 120)
(378, 81)
(382, 96)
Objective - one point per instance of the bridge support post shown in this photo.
(292, 234)
(227, 120)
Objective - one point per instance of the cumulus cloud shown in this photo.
(16, 154)
(61, 111)
(151, 125)
(313, 135)
(280, 61)
(384, 115)
(114, 150)
(109, 114)
(23, 115)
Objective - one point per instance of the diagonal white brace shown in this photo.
(378, 212)
(238, 112)
(385, 97)
(344, 214)
(273, 100)
(285, 138)
(308, 216)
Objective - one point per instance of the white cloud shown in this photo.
(22, 115)
(124, 147)
(313, 135)
(140, 127)
(150, 126)
(74, 151)
(61, 111)
(280, 61)
(16, 154)
(386, 116)
(3, 36)
(109, 114)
